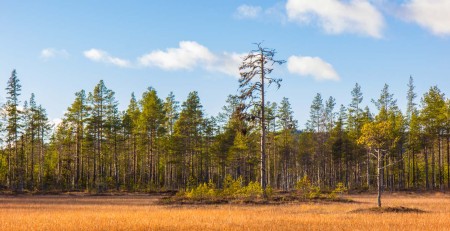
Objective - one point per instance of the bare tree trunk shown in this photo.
(408, 179)
(263, 131)
(441, 183)
(433, 167)
(134, 161)
(448, 161)
(8, 174)
(414, 168)
(379, 180)
(21, 166)
(116, 164)
(427, 182)
(368, 170)
(32, 161)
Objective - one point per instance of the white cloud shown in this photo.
(188, 55)
(433, 15)
(336, 17)
(247, 11)
(312, 66)
(227, 63)
(56, 122)
(102, 56)
(49, 53)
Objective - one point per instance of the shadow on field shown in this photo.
(29, 201)
(399, 209)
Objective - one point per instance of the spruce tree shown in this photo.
(13, 130)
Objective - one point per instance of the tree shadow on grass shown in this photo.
(397, 209)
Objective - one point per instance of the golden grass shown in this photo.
(141, 212)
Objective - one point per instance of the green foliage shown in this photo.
(306, 190)
(231, 187)
(303, 185)
(338, 191)
(191, 183)
(155, 145)
(269, 191)
(251, 191)
(314, 192)
(203, 191)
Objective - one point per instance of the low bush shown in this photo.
(232, 189)
(338, 191)
(306, 190)
(203, 191)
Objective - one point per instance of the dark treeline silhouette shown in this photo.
(161, 144)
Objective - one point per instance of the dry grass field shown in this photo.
(140, 212)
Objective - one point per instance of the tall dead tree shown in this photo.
(255, 70)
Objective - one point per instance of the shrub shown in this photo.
(191, 183)
(339, 190)
(303, 186)
(232, 188)
(251, 191)
(203, 191)
(180, 193)
(306, 190)
(235, 189)
(269, 191)
(314, 192)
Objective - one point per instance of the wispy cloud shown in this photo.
(336, 17)
(275, 13)
(247, 11)
(227, 63)
(433, 15)
(314, 67)
(103, 57)
(49, 53)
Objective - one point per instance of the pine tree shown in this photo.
(98, 109)
(77, 115)
(255, 70)
(13, 130)
(130, 123)
(386, 100)
(31, 117)
(112, 129)
(411, 111)
(433, 118)
(315, 122)
(288, 126)
(171, 110)
(187, 135)
(43, 130)
(152, 121)
(376, 136)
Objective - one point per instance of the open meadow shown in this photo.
(143, 212)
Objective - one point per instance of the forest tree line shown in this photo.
(159, 143)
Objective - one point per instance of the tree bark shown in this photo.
(379, 180)
(263, 131)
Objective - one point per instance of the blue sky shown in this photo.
(61, 47)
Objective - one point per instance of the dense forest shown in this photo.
(159, 143)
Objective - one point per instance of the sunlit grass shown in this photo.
(143, 213)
